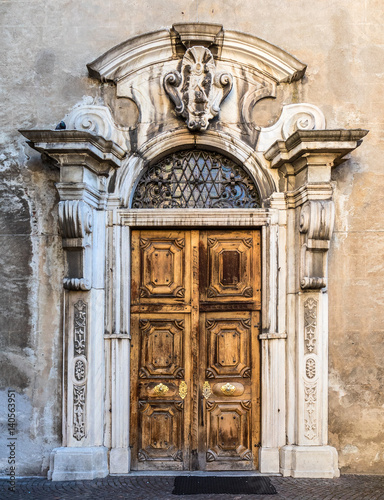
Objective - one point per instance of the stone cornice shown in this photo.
(132, 56)
(76, 147)
(330, 146)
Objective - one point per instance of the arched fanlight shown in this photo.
(196, 179)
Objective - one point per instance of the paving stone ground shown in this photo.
(347, 487)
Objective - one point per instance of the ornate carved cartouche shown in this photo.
(197, 90)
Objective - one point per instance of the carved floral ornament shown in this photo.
(197, 90)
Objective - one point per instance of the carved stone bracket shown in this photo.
(197, 90)
(75, 219)
(316, 226)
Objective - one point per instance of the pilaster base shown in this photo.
(71, 464)
(269, 460)
(119, 460)
(309, 461)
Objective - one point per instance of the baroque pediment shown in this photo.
(164, 73)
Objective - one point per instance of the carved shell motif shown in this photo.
(197, 90)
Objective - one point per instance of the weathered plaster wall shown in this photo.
(44, 48)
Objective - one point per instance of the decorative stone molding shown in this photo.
(70, 148)
(197, 90)
(304, 161)
(311, 149)
(198, 65)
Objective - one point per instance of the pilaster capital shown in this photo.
(85, 161)
(305, 159)
(77, 148)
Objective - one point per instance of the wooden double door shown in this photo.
(195, 364)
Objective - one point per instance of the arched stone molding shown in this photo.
(141, 52)
(167, 142)
(139, 68)
(99, 166)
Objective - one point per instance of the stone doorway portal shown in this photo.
(195, 87)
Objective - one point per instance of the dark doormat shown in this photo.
(197, 485)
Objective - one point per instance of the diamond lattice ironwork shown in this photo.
(196, 179)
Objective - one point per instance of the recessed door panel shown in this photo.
(228, 341)
(228, 266)
(160, 268)
(161, 352)
(161, 434)
(229, 434)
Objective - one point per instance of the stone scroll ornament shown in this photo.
(197, 90)
(316, 226)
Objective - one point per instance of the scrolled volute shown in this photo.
(75, 219)
(316, 226)
(317, 219)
